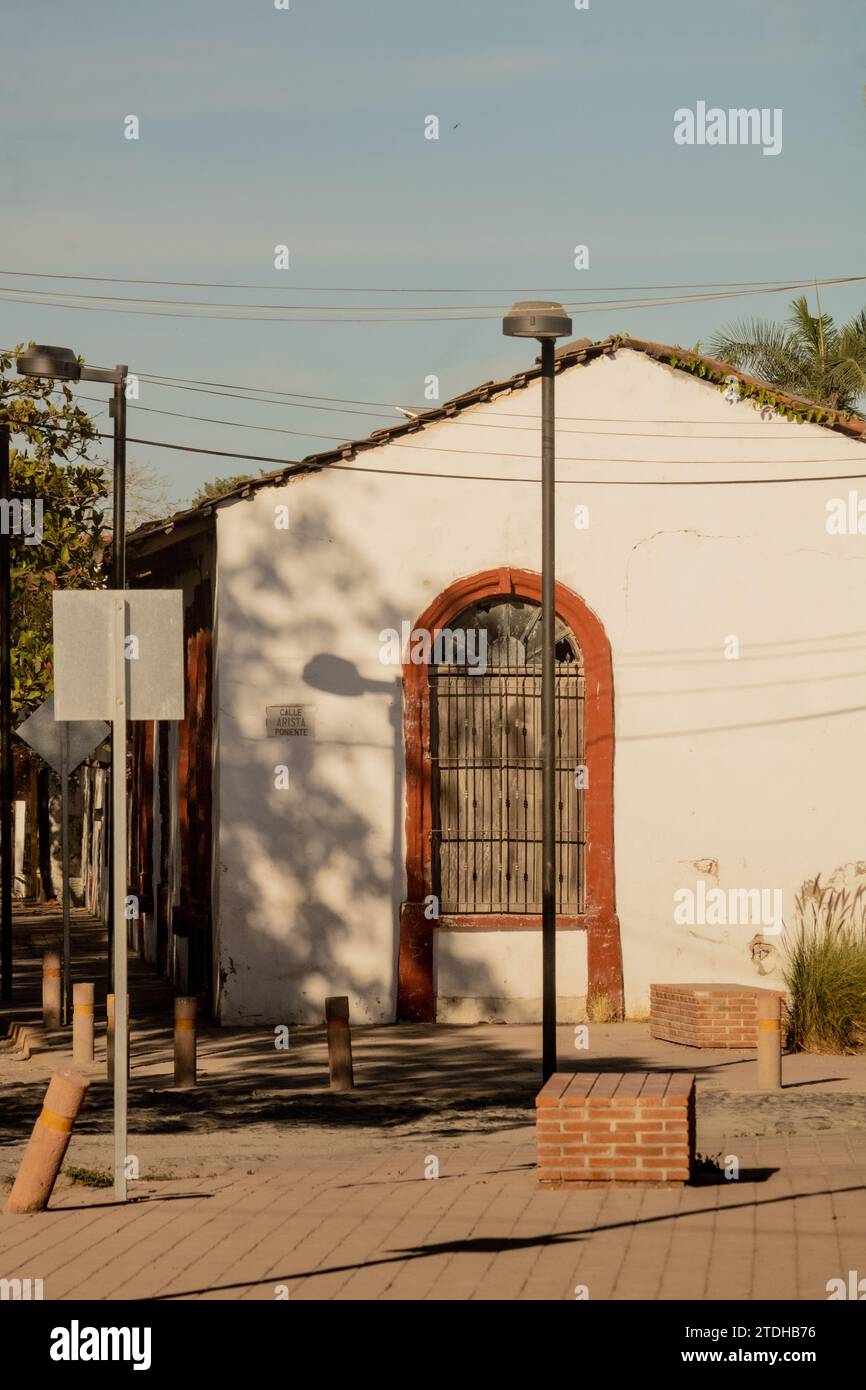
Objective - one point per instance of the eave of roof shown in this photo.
(577, 353)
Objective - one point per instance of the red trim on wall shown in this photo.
(415, 990)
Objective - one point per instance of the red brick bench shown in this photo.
(707, 1015)
(615, 1127)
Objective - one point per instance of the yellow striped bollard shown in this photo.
(184, 1042)
(82, 1023)
(48, 1143)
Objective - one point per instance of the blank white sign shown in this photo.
(84, 653)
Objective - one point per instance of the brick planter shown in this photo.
(707, 1015)
(615, 1128)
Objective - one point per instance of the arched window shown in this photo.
(472, 729)
(485, 748)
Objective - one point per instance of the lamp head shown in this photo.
(42, 360)
(536, 318)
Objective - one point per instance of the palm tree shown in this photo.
(807, 356)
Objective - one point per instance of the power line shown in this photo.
(770, 287)
(233, 424)
(856, 637)
(432, 448)
(296, 465)
(174, 383)
(431, 313)
(230, 318)
(230, 304)
(746, 655)
(468, 424)
(263, 400)
(723, 689)
(573, 458)
(158, 379)
(412, 289)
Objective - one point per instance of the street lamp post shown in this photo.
(546, 321)
(62, 364)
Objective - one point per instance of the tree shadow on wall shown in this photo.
(304, 623)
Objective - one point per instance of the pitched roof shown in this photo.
(576, 353)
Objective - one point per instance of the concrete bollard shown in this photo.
(49, 1141)
(769, 1042)
(184, 1042)
(82, 1023)
(109, 1037)
(51, 989)
(339, 1043)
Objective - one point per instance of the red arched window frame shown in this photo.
(415, 989)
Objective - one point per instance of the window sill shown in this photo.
(505, 921)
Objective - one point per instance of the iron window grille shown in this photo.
(485, 745)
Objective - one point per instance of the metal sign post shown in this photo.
(118, 906)
(66, 1004)
(119, 655)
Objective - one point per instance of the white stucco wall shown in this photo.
(756, 765)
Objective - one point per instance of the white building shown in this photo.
(382, 841)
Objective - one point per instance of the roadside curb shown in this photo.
(27, 1038)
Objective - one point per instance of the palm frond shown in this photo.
(760, 347)
(808, 355)
(817, 332)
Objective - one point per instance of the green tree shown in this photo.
(49, 464)
(218, 487)
(809, 355)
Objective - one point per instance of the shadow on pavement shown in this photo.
(496, 1245)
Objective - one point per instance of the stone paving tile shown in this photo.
(375, 1228)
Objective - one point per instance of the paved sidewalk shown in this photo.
(370, 1225)
(262, 1180)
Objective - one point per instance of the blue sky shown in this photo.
(306, 127)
